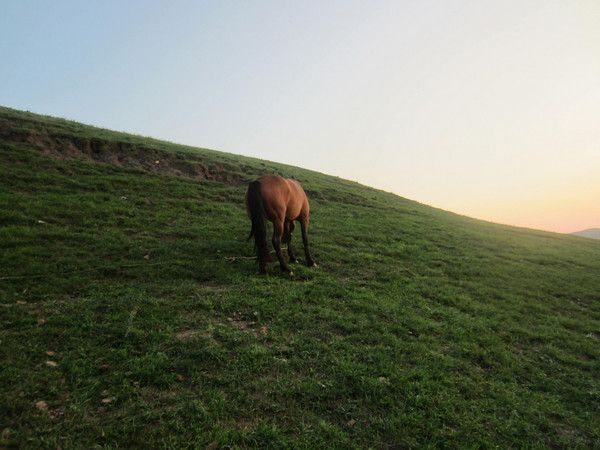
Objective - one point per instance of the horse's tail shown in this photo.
(256, 209)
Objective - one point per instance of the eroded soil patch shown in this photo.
(120, 153)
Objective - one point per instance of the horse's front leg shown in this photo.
(287, 238)
(278, 228)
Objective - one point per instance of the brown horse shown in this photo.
(282, 201)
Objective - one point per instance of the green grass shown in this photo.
(420, 328)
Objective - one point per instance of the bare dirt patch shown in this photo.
(186, 335)
(237, 320)
(248, 325)
(243, 423)
(119, 153)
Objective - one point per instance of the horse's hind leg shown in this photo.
(310, 262)
(287, 238)
(278, 228)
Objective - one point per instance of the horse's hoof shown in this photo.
(293, 261)
(312, 264)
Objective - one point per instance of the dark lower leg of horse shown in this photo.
(310, 262)
(292, 257)
(277, 245)
(262, 266)
(287, 239)
(263, 258)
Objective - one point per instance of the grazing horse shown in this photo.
(282, 201)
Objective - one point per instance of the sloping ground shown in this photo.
(132, 315)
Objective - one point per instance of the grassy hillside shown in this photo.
(132, 314)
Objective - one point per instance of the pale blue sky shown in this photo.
(487, 108)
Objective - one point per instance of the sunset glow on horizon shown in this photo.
(489, 109)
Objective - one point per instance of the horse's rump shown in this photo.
(283, 199)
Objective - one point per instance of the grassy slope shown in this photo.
(420, 327)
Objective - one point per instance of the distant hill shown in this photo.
(592, 233)
(132, 313)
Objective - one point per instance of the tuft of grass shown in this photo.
(420, 328)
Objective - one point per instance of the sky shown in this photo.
(486, 108)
